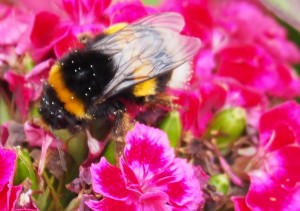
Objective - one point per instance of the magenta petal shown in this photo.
(43, 29)
(67, 42)
(37, 76)
(4, 198)
(265, 193)
(131, 181)
(110, 204)
(13, 25)
(287, 113)
(14, 195)
(109, 181)
(43, 32)
(23, 92)
(282, 167)
(7, 166)
(185, 193)
(239, 203)
(3, 134)
(147, 151)
(154, 201)
(282, 135)
(129, 11)
(36, 136)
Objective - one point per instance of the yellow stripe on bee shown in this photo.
(145, 88)
(114, 28)
(72, 104)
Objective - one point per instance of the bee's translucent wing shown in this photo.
(146, 49)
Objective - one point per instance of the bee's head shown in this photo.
(53, 112)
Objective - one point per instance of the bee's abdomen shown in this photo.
(53, 112)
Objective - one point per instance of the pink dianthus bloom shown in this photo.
(275, 181)
(150, 177)
(8, 193)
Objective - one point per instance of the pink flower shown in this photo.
(27, 88)
(13, 23)
(129, 11)
(198, 107)
(38, 137)
(59, 30)
(275, 182)
(149, 177)
(251, 65)
(246, 23)
(8, 193)
(23, 92)
(197, 16)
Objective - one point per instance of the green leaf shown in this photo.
(25, 169)
(171, 124)
(288, 11)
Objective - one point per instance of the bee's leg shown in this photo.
(119, 130)
(159, 101)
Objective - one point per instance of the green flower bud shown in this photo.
(221, 182)
(109, 152)
(171, 124)
(227, 126)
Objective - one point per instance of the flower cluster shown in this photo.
(149, 177)
(230, 141)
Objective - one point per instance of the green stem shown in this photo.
(52, 191)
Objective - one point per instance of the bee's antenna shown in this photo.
(61, 157)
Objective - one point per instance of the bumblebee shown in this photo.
(131, 63)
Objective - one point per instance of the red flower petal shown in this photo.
(23, 92)
(282, 167)
(131, 181)
(240, 204)
(285, 114)
(43, 29)
(109, 181)
(147, 151)
(129, 11)
(7, 166)
(110, 204)
(265, 194)
(154, 200)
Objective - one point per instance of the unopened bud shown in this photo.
(227, 126)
